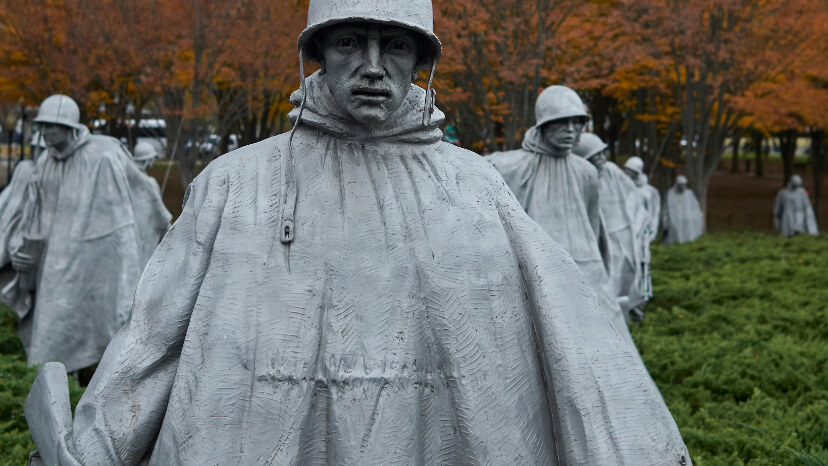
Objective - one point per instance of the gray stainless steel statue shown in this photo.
(622, 216)
(153, 216)
(793, 213)
(650, 198)
(560, 190)
(75, 245)
(144, 155)
(359, 292)
(683, 217)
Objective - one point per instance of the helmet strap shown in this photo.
(287, 230)
(430, 96)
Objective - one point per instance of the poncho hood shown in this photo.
(404, 126)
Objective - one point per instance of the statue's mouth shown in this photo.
(371, 94)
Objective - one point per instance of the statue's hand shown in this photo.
(637, 314)
(22, 263)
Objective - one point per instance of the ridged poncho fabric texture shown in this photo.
(418, 317)
(683, 217)
(83, 208)
(623, 217)
(793, 213)
(562, 195)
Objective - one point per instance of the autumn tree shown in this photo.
(498, 55)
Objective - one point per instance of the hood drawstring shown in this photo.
(430, 96)
(288, 227)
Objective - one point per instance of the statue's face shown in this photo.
(795, 182)
(631, 173)
(599, 160)
(368, 68)
(562, 135)
(57, 136)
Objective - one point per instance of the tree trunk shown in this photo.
(737, 142)
(758, 138)
(787, 146)
(818, 156)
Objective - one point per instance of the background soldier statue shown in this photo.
(623, 217)
(793, 213)
(683, 217)
(153, 216)
(560, 191)
(76, 246)
(359, 292)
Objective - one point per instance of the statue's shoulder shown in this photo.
(245, 160)
(468, 162)
(506, 158)
(104, 148)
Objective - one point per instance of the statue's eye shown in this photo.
(398, 45)
(346, 43)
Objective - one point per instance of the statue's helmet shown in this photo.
(796, 181)
(635, 164)
(59, 109)
(144, 151)
(416, 15)
(589, 146)
(681, 180)
(558, 102)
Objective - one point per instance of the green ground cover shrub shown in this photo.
(736, 339)
(15, 380)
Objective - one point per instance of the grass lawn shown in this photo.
(736, 338)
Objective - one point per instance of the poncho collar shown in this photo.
(81, 138)
(403, 126)
(533, 142)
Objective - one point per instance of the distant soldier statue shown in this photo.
(623, 217)
(560, 190)
(648, 225)
(359, 292)
(793, 213)
(75, 246)
(144, 155)
(153, 216)
(683, 218)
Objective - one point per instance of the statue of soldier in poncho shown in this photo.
(359, 292)
(648, 226)
(74, 242)
(683, 217)
(793, 213)
(153, 216)
(622, 215)
(560, 190)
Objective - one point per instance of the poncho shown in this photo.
(793, 213)
(562, 195)
(419, 316)
(683, 217)
(151, 214)
(12, 203)
(622, 214)
(12, 199)
(83, 210)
